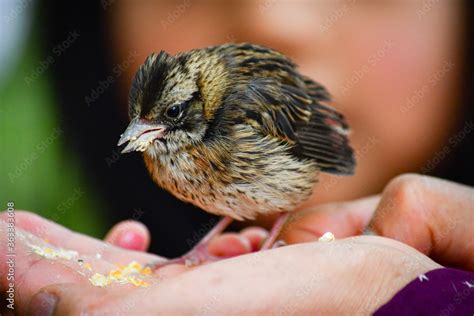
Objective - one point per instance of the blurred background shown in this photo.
(400, 71)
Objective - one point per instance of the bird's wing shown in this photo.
(295, 115)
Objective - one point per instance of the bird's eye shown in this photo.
(173, 111)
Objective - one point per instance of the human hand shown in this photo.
(34, 231)
(387, 254)
(32, 271)
(350, 276)
(304, 277)
(134, 235)
(434, 216)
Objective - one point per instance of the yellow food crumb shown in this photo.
(53, 253)
(100, 280)
(122, 275)
(137, 282)
(115, 274)
(146, 271)
(327, 237)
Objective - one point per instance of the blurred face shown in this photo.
(393, 67)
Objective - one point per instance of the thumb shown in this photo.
(432, 215)
(66, 299)
(85, 299)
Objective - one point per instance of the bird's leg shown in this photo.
(200, 252)
(276, 229)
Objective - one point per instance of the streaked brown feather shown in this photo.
(255, 133)
(272, 95)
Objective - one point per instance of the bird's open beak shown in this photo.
(140, 134)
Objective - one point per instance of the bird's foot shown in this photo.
(200, 253)
(279, 243)
(196, 256)
(271, 241)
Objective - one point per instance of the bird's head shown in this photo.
(168, 101)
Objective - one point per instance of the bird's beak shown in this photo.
(140, 134)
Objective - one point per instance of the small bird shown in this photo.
(236, 130)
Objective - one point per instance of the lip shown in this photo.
(140, 134)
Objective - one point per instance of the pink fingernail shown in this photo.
(246, 243)
(43, 304)
(131, 240)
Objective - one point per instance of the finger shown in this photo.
(83, 299)
(343, 219)
(229, 245)
(30, 272)
(280, 274)
(171, 271)
(298, 262)
(131, 235)
(432, 215)
(80, 299)
(68, 299)
(62, 237)
(255, 235)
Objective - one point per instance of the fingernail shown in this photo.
(131, 240)
(369, 232)
(246, 243)
(43, 304)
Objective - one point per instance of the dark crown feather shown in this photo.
(149, 81)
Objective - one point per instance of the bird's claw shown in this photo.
(194, 257)
(279, 243)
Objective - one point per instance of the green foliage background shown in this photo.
(39, 173)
